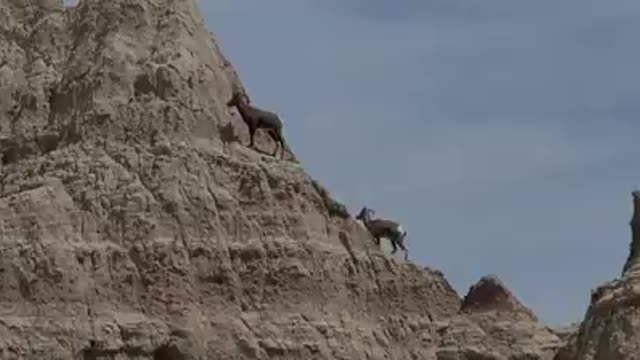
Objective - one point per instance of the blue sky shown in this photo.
(502, 133)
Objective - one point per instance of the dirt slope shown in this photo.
(134, 225)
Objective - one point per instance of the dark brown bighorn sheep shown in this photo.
(258, 119)
(384, 228)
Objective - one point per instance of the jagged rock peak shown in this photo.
(490, 294)
(631, 264)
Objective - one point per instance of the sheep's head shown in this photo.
(365, 214)
(235, 100)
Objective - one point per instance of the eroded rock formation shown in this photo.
(133, 225)
(612, 323)
(490, 294)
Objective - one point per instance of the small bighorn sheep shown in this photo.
(258, 119)
(384, 228)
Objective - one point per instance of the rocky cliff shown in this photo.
(612, 323)
(135, 223)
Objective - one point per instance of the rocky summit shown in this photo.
(135, 223)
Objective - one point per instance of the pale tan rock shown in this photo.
(490, 294)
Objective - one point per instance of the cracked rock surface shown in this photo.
(134, 223)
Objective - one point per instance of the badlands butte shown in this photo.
(135, 223)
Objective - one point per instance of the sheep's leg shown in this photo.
(404, 248)
(401, 241)
(252, 132)
(282, 147)
(281, 141)
(396, 240)
(276, 139)
(395, 247)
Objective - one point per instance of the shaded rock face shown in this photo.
(135, 225)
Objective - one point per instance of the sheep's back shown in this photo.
(383, 227)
